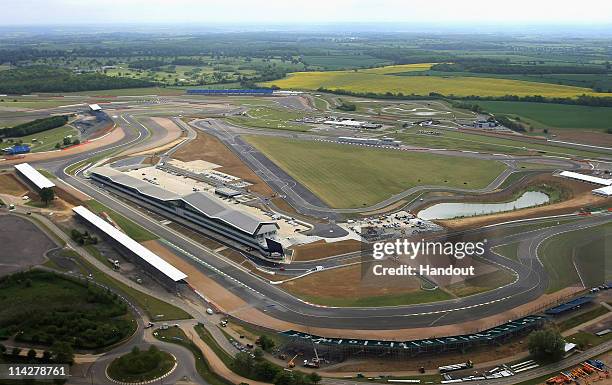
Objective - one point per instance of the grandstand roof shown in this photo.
(34, 176)
(586, 178)
(510, 327)
(605, 191)
(95, 107)
(569, 305)
(145, 254)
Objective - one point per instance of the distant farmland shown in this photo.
(382, 80)
(555, 115)
(351, 176)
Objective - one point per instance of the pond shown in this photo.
(455, 209)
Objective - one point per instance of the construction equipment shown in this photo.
(315, 363)
(291, 363)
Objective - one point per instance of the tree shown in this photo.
(76, 141)
(67, 141)
(16, 351)
(31, 354)
(58, 146)
(266, 343)
(47, 194)
(258, 353)
(314, 378)
(62, 352)
(284, 378)
(546, 345)
(2, 349)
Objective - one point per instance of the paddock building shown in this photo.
(201, 211)
(157, 267)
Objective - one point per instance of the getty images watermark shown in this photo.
(412, 257)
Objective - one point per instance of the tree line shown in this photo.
(581, 100)
(25, 80)
(518, 69)
(33, 127)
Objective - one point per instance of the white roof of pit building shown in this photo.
(34, 176)
(586, 178)
(207, 205)
(605, 191)
(95, 107)
(145, 254)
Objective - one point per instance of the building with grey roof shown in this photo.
(205, 211)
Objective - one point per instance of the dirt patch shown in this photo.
(207, 147)
(322, 249)
(588, 137)
(70, 197)
(9, 184)
(352, 285)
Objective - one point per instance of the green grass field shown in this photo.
(554, 115)
(382, 80)
(271, 118)
(457, 140)
(420, 296)
(352, 176)
(141, 365)
(583, 251)
(338, 62)
(33, 102)
(138, 233)
(46, 140)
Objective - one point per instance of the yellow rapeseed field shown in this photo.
(380, 80)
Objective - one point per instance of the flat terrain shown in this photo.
(472, 141)
(9, 184)
(382, 80)
(352, 176)
(271, 118)
(554, 115)
(16, 253)
(326, 289)
(578, 257)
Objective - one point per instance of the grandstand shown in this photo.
(570, 305)
(161, 270)
(255, 91)
(33, 177)
(343, 348)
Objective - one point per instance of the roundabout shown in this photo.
(141, 366)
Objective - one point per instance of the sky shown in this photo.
(65, 12)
